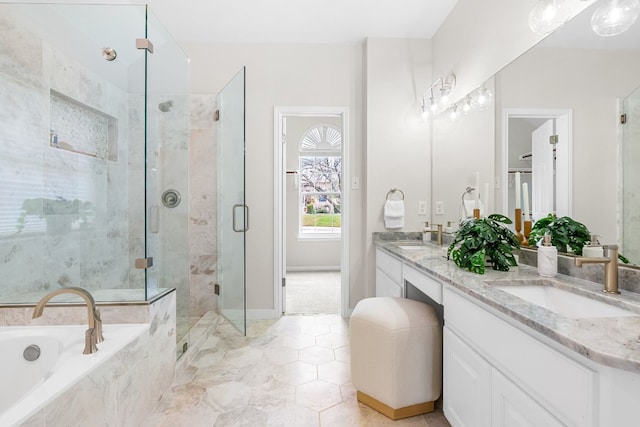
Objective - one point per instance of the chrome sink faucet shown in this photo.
(93, 335)
(610, 267)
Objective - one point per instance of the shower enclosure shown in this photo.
(94, 155)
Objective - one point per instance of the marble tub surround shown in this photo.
(608, 341)
(289, 372)
(125, 388)
(628, 276)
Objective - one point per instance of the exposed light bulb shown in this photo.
(615, 17)
(467, 106)
(453, 115)
(547, 15)
(425, 112)
(444, 98)
(484, 97)
(434, 105)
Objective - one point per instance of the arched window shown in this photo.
(320, 152)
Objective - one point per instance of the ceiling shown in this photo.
(299, 21)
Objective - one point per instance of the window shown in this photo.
(320, 169)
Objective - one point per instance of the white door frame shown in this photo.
(567, 149)
(279, 212)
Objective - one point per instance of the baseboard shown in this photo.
(314, 268)
(262, 314)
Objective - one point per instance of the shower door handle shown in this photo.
(246, 218)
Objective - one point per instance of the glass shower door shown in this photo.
(233, 213)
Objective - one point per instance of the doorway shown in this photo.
(311, 221)
(537, 147)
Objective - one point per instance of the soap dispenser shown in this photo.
(547, 258)
(449, 227)
(593, 249)
(426, 232)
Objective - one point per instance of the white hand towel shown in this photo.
(394, 214)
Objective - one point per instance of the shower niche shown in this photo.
(81, 129)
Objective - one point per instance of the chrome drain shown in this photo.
(31, 353)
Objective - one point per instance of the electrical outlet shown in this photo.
(422, 208)
(439, 207)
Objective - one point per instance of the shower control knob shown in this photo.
(171, 198)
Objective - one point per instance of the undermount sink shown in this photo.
(563, 302)
(410, 247)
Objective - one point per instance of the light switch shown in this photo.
(355, 183)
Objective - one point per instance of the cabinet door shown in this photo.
(512, 407)
(467, 384)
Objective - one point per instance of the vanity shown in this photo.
(518, 354)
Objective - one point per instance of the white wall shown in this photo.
(305, 253)
(398, 152)
(283, 75)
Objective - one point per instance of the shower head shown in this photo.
(109, 53)
(165, 106)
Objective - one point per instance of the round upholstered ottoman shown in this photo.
(396, 356)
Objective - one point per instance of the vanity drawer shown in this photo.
(391, 266)
(385, 287)
(563, 386)
(426, 284)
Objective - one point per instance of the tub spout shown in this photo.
(93, 335)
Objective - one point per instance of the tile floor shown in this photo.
(289, 372)
(313, 292)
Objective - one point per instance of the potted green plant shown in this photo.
(565, 233)
(484, 241)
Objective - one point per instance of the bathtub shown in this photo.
(28, 386)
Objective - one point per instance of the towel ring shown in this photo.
(393, 190)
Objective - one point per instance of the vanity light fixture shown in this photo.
(615, 17)
(443, 88)
(548, 15)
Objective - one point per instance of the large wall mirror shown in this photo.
(578, 85)
(577, 76)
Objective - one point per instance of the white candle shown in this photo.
(486, 199)
(477, 191)
(518, 205)
(525, 197)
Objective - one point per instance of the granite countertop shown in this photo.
(610, 341)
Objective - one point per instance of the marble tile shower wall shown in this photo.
(203, 206)
(95, 255)
(631, 212)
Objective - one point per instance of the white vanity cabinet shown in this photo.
(528, 384)
(388, 275)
